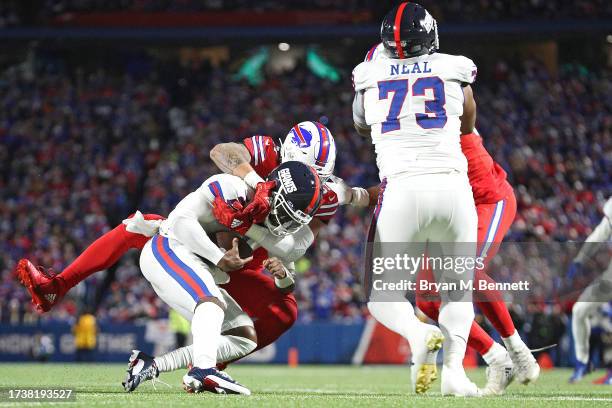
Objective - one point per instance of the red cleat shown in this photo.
(42, 285)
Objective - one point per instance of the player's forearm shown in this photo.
(468, 119)
(600, 234)
(189, 232)
(290, 247)
(232, 158)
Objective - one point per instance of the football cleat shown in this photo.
(42, 285)
(212, 380)
(580, 370)
(455, 382)
(526, 368)
(141, 368)
(605, 380)
(424, 370)
(499, 376)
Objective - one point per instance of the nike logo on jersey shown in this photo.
(236, 223)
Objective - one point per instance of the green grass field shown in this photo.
(305, 386)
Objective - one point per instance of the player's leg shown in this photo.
(499, 374)
(48, 289)
(494, 221)
(183, 281)
(392, 309)
(452, 233)
(591, 299)
(273, 312)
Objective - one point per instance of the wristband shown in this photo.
(252, 179)
(286, 281)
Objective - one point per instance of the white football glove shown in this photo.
(355, 196)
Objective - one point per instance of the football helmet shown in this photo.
(313, 144)
(408, 30)
(295, 199)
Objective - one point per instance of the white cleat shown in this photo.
(499, 376)
(526, 368)
(424, 371)
(455, 382)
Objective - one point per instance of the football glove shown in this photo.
(259, 207)
(232, 216)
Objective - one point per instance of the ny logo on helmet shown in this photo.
(428, 22)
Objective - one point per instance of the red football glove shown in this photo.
(233, 217)
(259, 207)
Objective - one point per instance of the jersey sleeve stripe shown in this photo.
(215, 188)
(325, 214)
(262, 151)
(370, 53)
(255, 150)
(332, 205)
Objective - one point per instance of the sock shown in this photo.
(234, 347)
(495, 354)
(175, 360)
(479, 339)
(206, 332)
(455, 322)
(103, 253)
(400, 318)
(514, 342)
(494, 308)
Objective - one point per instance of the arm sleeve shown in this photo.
(599, 235)
(289, 248)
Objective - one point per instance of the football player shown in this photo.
(414, 105)
(184, 265)
(593, 297)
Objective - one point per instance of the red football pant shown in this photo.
(494, 221)
(272, 311)
(103, 253)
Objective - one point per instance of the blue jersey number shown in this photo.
(433, 106)
(400, 89)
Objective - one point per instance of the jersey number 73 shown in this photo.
(435, 114)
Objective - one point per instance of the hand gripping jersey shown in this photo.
(413, 107)
(265, 157)
(487, 178)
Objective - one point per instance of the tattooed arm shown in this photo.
(232, 158)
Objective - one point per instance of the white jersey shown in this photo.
(600, 235)
(413, 108)
(196, 208)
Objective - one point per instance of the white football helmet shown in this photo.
(313, 144)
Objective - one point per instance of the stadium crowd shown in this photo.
(80, 148)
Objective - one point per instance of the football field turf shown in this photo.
(304, 386)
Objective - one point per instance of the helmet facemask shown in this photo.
(283, 219)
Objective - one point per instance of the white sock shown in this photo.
(514, 343)
(233, 347)
(175, 360)
(455, 322)
(400, 318)
(496, 354)
(206, 332)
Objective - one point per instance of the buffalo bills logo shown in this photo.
(301, 137)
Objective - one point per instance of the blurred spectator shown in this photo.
(85, 332)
